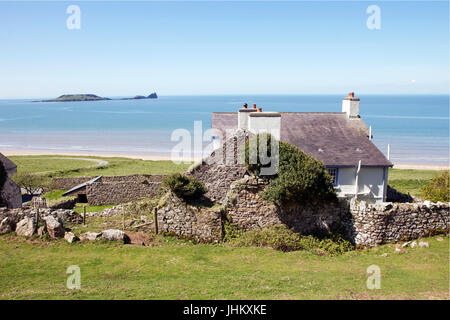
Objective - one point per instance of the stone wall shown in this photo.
(11, 195)
(70, 182)
(200, 224)
(372, 224)
(108, 193)
(246, 209)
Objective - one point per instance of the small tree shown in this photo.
(438, 188)
(300, 178)
(32, 183)
(185, 187)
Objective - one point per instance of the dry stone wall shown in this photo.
(245, 208)
(108, 193)
(10, 194)
(70, 182)
(200, 224)
(372, 224)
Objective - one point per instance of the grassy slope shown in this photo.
(410, 181)
(77, 168)
(184, 271)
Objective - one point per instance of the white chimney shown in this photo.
(269, 122)
(350, 105)
(243, 116)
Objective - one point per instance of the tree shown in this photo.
(300, 178)
(438, 189)
(32, 183)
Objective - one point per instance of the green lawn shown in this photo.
(179, 270)
(410, 181)
(77, 168)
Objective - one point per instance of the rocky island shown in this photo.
(76, 97)
(93, 97)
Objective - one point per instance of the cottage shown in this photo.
(341, 140)
(10, 194)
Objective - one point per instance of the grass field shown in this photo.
(410, 181)
(55, 167)
(174, 269)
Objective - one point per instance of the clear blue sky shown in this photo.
(223, 48)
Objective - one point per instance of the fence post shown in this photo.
(155, 219)
(84, 215)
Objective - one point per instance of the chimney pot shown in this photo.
(351, 94)
(245, 106)
(254, 106)
(259, 110)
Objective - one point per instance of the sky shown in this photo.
(202, 48)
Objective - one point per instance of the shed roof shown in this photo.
(81, 186)
(8, 164)
(328, 136)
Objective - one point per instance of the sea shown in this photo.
(415, 126)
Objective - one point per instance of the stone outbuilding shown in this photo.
(10, 194)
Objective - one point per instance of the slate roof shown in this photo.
(330, 137)
(81, 186)
(8, 164)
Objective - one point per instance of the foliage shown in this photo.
(185, 187)
(140, 208)
(300, 178)
(32, 183)
(231, 231)
(438, 188)
(281, 238)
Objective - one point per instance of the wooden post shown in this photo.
(155, 219)
(84, 215)
(37, 219)
(389, 152)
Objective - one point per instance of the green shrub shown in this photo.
(300, 178)
(231, 231)
(187, 188)
(438, 188)
(281, 238)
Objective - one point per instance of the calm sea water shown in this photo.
(416, 126)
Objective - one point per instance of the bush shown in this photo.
(300, 178)
(187, 188)
(279, 237)
(438, 188)
(30, 182)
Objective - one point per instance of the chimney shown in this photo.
(350, 105)
(243, 116)
(254, 106)
(268, 122)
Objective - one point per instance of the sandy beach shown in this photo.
(398, 165)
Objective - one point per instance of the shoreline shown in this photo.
(155, 157)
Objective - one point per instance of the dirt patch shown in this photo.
(140, 238)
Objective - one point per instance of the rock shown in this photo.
(413, 244)
(54, 227)
(384, 255)
(41, 231)
(427, 203)
(26, 227)
(70, 237)
(405, 244)
(5, 226)
(397, 250)
(440, 239)
(115, 235)
(424, 244)
(91, 236)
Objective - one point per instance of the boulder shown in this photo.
(26, 227)
(54, 227)
(91, 236)
(6, 226)
(413, 244)
(41, 231)
(70, 237)
(115, 235)
(424, 244)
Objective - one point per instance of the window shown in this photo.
(333, 172)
